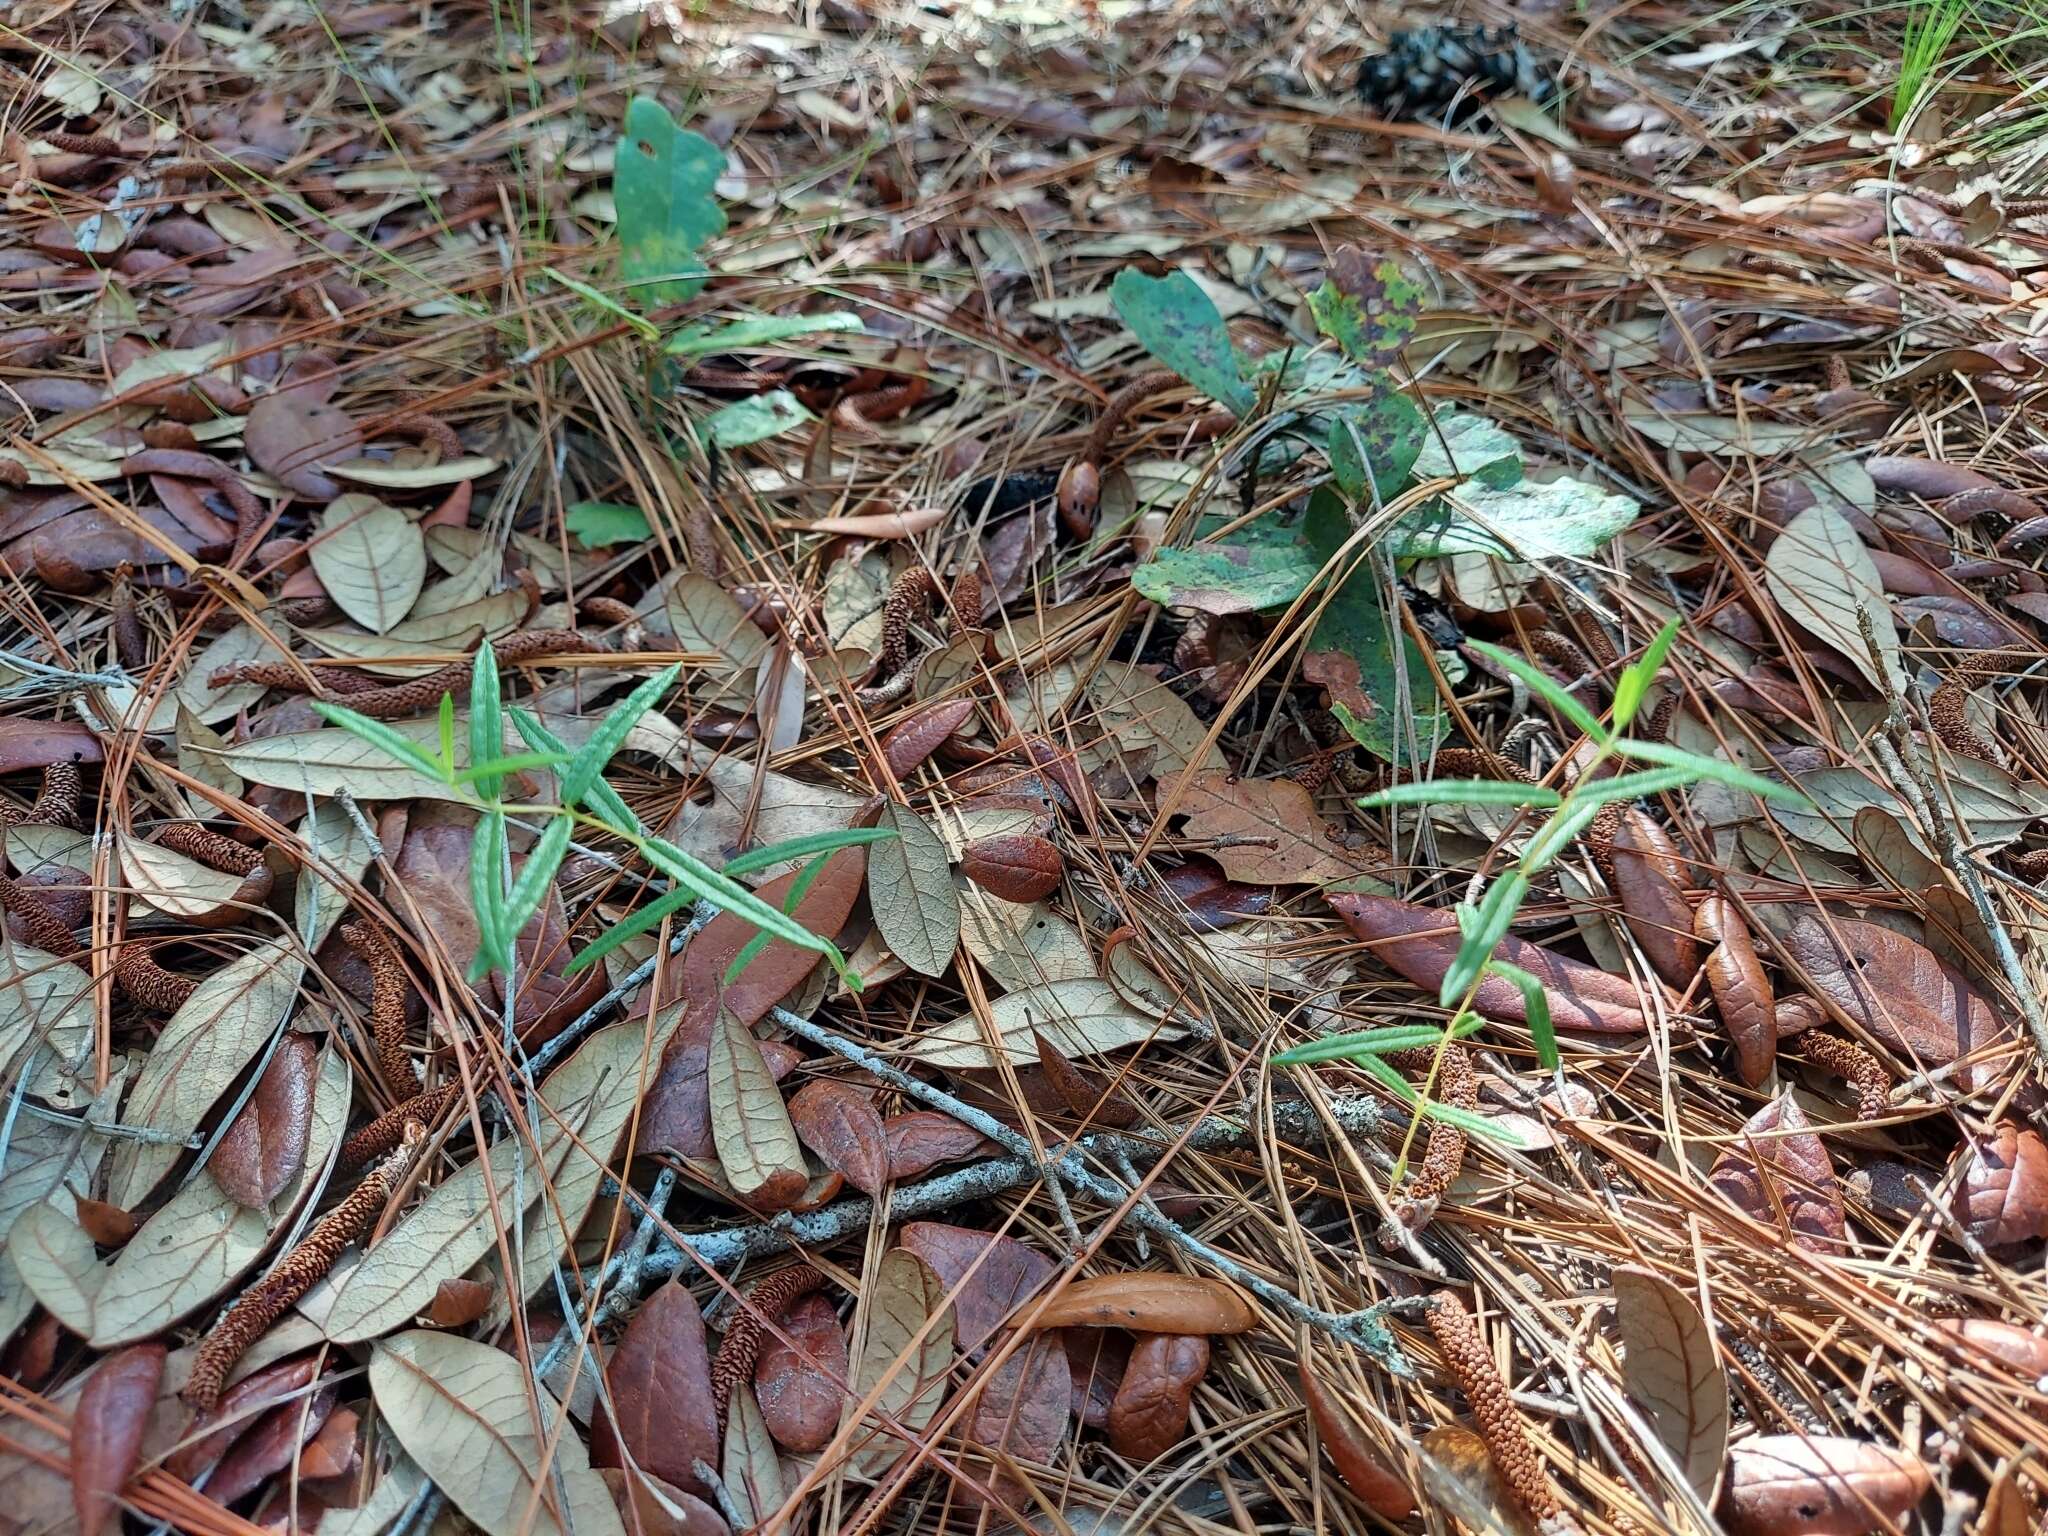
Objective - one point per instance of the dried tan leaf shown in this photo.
(911, 890)
(1671, 1368)
(750, 1126)
(1822, 575)
(1266, 831)
(750, 1467)
(906, 1351)
(1082, 1018)
(371, 558)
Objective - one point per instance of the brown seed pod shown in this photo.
(399, 700)
(387, 1003)
(1848, 1060)
(388, 1129)
(1470, 1363)
(1020, 867)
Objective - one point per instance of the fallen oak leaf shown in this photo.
(1778, 1171)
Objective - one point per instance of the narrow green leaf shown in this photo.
(803, 847)
(798, 889)
(634, 924)
(1371, 1042)
(1633, 786)
(378, 734)
(1637, 675)
(518, 762)
(448, 736)
(486, 894)
(536, 874)
(750, 331)
(714, 887)
(1540, 683)
(486, 724)
(605, 302)
(1710, 768)
(601, 524)
(611, 733)
(1482, 928)
(1462, 792)
(604, 800)
(1477, 1125)
(1555, 834)
(1536, 1003)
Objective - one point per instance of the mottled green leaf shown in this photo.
(756, 419)
(1374, 443)
(1469, 447)
(1180, 326)
(662, 187)
(1369, 309)
(1227, 578)
(601, 524)
(1527, 521)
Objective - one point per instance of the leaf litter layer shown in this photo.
(912, 772)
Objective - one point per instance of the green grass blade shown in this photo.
(1540, 683)
(378, 734)
(804, 847)
(1637, 675)
(486, 725)
(1462, 792)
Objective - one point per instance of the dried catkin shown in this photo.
(910, 595)
(388, 1129)
(966, 602)
(137, 974)
(1443, 1154)
(1849, 1061)
(1952, 724)
(399, 700)
(215, 850)
(58, 804)
(387, 1001)
(296, 1273)
(39, 924)
(1470, 1363)
(741, 1346)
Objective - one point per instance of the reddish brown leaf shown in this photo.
(107, 1225)
(1082, 1094)
(1778, 1171)
(1149, 1414)
(923, 733)
(1148, 1302)
(270, 1446)
(1926, 479)
(1021, 867)
(660, 1384)
(2025, 1352)
(800, 1385)
(1420, 943)
(335, 1451)
(1818, 1485)
(274, 1383)
(1266, 830)
(677, 1116)
(1096, 1359)
(290, 435)
(107, 1425)
(1364, 1472)
(1213, 900)
(922, 1139)
(1742, 992)
(2003, 1197)
(1901, 993)
(644, 1515)
(1651, 892)
(1021, 1414)
(990, 1275)
(433, 869)
(26, 743)
(264, 1146)
(459, 1302)
(548, 1000)
(842, 1125)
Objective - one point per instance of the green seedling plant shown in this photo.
(1454, 482)
(504, 904)
(1483, 923)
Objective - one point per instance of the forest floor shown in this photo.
(1391, 684)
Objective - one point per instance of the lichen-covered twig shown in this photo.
(296, 1273)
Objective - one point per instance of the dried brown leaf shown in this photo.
(1742, 992)
(1266, 831)
(990, 1275)
(1669, 1366)
(922, 1139)
(1021, 1413)
(841, 1124)
(1361, 1467)
(800, 1384)
(290, 436)
(1819, 1485)
(1148, 1302)
(459, 1302)
(264, 1146)
(107, 1426)
(659, 1379)
(1778, 1171)
(2003, 1195)
(1021, 867)
(1149, 1413)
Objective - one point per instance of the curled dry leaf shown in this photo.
(1778, 1171)
(1652, 897)
(1670, 1367)
(750, 1125)
(1357, 1463)
(459, 1302)
(659, 1380)
(1150, 1303)
(842, 1125)
(2025, 1351)
(922, 1139)
(271, 1445)
(800, 1384)
(1902, 994)
(905, 1353)
(1149, 1413)
(1021, 867)
(1087, 1099)
(991, 1276)
(1420, 943)
(264, 1146)
(290, 435)
(107, 1427)
(2003, 1195)
(1742, 992)
(1819, 1485)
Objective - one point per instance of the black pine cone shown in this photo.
(1439, 72)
